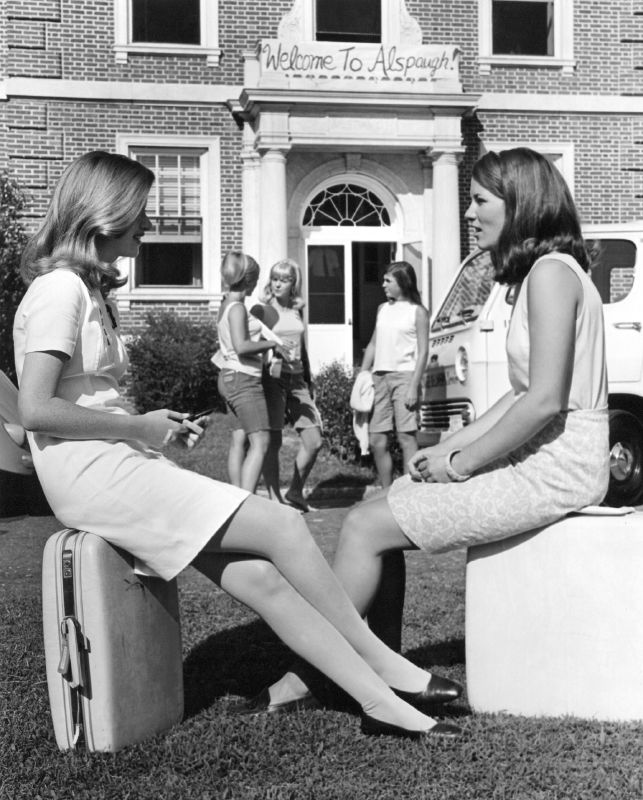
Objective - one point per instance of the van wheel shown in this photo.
(626, 460)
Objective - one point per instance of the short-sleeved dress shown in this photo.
(124, 491)
(563, 468)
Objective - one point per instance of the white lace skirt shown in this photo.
(560, 470)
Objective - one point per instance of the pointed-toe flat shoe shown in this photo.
(261, 705)
(437, 692)
(441, 730)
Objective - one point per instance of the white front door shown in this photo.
(330, 304)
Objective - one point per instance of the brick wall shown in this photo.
(79, 37)
(605, 56)
(133, 319)
(41, 137)
(605, 188)
(73, 39)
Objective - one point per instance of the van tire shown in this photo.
(626, 460)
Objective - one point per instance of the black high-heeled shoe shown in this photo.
(437, 692)
(375, 727)
(260, 704)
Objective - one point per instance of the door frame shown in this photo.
(340, 236)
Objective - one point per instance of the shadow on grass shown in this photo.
(237, 661)
(241, 661)
(343, 489)
(441, 654)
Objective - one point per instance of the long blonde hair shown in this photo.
(296, 299)
(100, 194)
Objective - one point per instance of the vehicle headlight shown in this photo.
(461, 365)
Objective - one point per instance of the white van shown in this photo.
(467, 369)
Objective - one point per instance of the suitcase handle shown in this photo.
(71, 655)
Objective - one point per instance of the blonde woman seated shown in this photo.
(102, 471)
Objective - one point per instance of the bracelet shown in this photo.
(451, 473)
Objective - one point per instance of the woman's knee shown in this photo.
(259, 440)
(311, 440)
(355, 528)
(378, 442)
(407, 440)
(265, 579)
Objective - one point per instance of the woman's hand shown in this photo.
(159, 427)
(429, 466)
(285, 350)
(412, 397)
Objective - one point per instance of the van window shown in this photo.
(613, 270)
(468, 294)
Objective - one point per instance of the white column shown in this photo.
(446, 222)
(250, 188)
(273, 211)
(427, 228)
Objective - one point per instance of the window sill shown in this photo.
(166, 294)
(566, 65)
(211, 54)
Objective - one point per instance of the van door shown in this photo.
(614, 276)
(493, 325)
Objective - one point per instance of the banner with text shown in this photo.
(319, 60)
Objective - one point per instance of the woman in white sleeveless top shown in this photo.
(241, 357)
(396, 354)
(541, 451)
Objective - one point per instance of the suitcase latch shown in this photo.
(71, 663)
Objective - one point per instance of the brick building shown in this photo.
(340, 133)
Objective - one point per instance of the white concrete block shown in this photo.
(554, 620)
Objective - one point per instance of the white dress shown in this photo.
(123, 491)
(564, 467)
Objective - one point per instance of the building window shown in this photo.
(526, 32)
(522, 28)
(171, 21)
(180, 255)
(169, 27)
(348, 21)
(171, 253)
(348, 205)
(561, 154)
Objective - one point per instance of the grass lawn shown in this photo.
(328, 472)
(318, 755)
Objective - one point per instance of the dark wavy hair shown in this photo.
(404, 276)
(540, 215)
(99, 195)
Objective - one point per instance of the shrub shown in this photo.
(333, 384)
(12, 242)
(170, 365)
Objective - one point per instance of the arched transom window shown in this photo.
(346, 204)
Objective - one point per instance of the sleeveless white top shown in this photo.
(124, 491)
(589, 377)
(396, 337)
(227, 357)
(290, 329)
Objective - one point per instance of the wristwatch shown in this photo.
(451, 473)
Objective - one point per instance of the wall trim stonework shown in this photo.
(207, 94)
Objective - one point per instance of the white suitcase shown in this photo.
(112, 645)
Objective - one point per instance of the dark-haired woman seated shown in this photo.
(541, 451)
